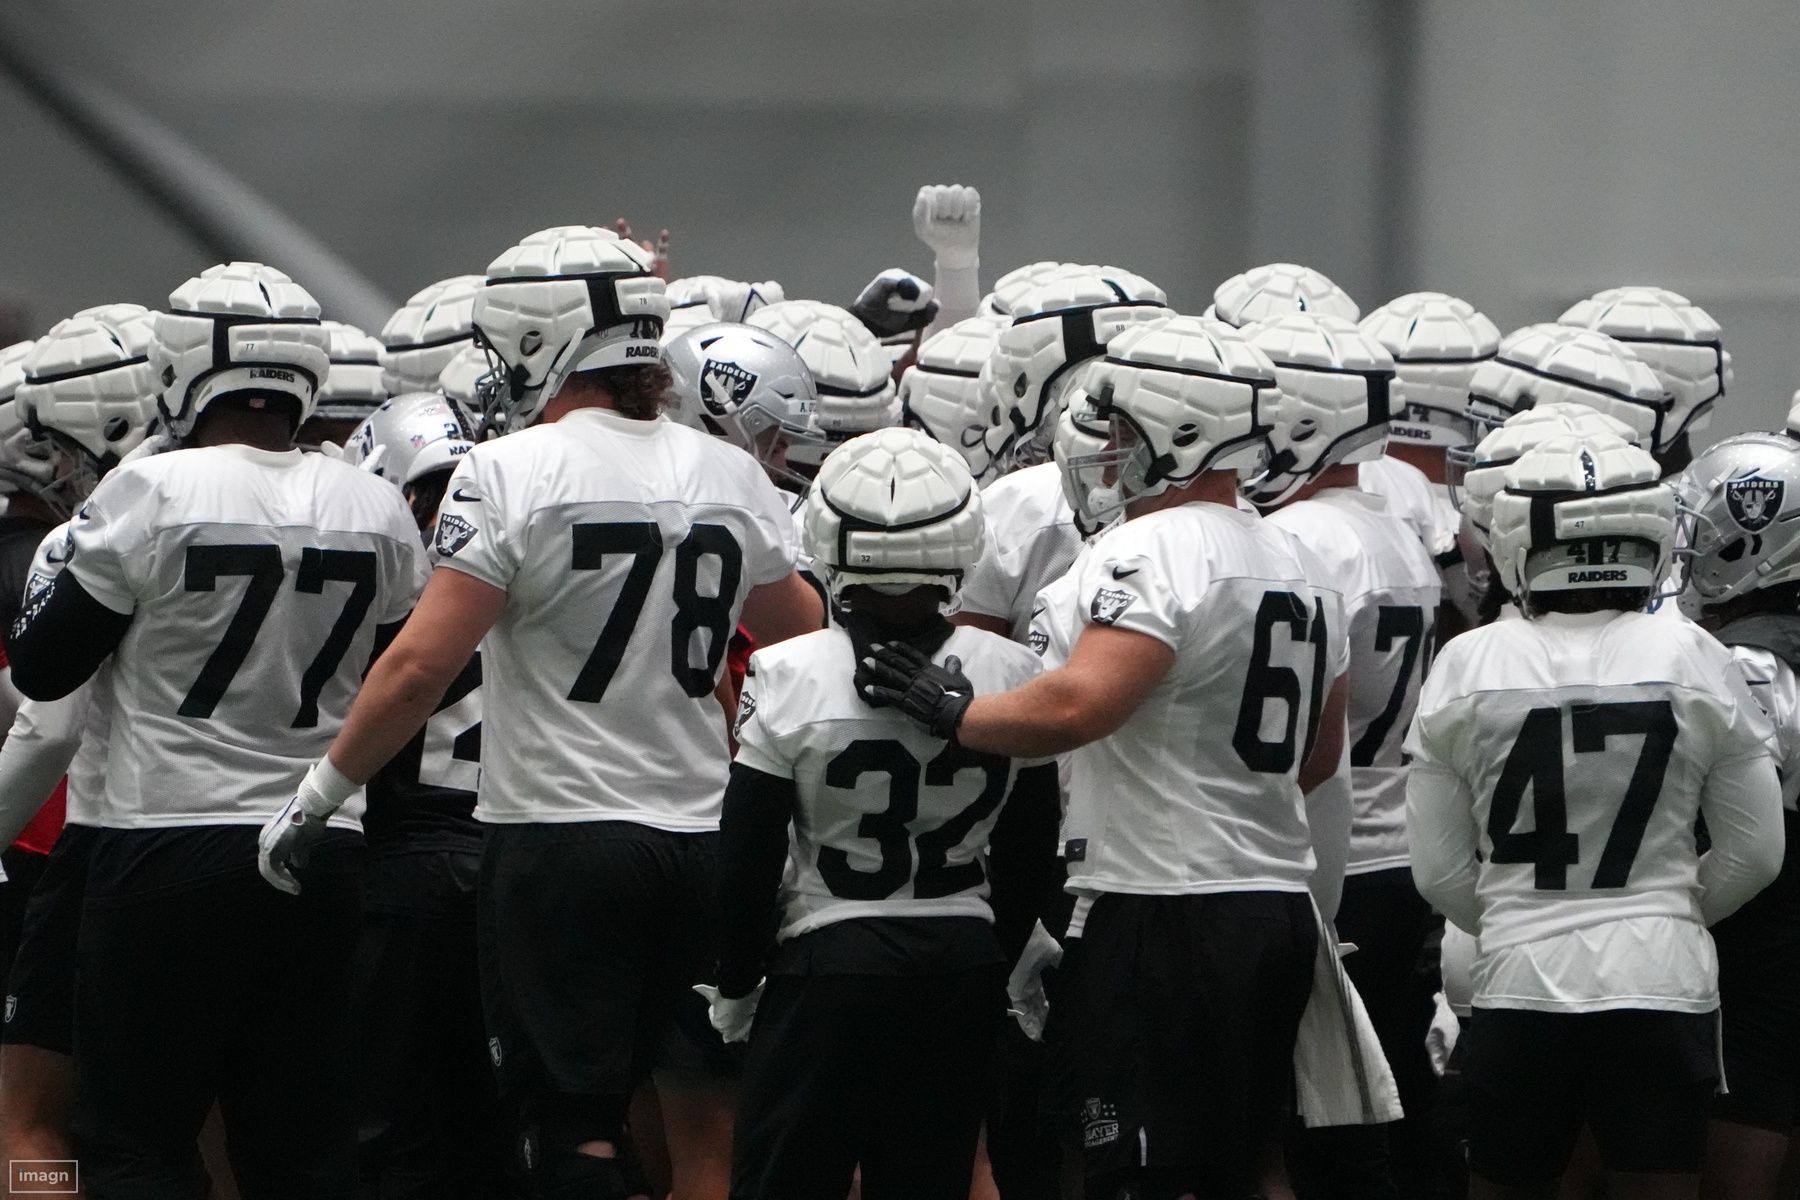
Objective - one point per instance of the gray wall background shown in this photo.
(1521, 155)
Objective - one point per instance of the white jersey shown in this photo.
(626, 549)
(1581, 748)
(890, 821)
(1423, 505)
(1031, 540)
(1776, 689)
(256, 580)
(1199, 790)
(1390, 590)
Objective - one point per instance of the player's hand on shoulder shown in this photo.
(894, 674)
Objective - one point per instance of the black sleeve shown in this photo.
(1023, 868)
(61, 639)
(753, 841)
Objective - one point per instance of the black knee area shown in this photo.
(1140, 1183)
(559, 1171)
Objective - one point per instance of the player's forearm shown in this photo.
(37, 753)
(774, 612)
(1050, 715)
(1441, 840)
(958, 289)
(753, 836)
(1742, 805)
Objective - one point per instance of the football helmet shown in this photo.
(1741, 517)
(849, 367)
(237, 327)
(749, 387)
(893, 510)
(1064, 320)
(1675, 338)
(1081, 434)
(568, 299)
(1581, 512)
(89, 395)
(1001, 305)
(1437, 342)
(426, 332)
(1274, 290)
(941, 392)
(1180, 395)
(1473, 490)
(461, 377)
(411, 436)
(1334, 402)
(355, 387)
(1547, 363)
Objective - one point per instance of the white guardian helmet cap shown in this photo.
(89, 394)
(356, 386)
(1437, 342)
(941, 392)
(1473, 490)
(1275, 290)
(1675, 338)
(426, 332)
(849, 366)
(1547, 364)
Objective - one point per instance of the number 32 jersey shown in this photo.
(256, 580)
(1199, 790)
(626, 549)
(890, 821)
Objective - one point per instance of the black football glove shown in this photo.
(904, 677)
(895, 302)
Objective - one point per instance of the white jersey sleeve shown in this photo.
(1032, 540)
(626, 550)
(1199, 791)
(890, 821)
(1390, 589)
(256, 581)
(1771, 681)
(1582, 747)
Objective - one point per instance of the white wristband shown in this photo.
(324, 790)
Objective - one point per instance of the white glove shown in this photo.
(734, 300)
(732, 1018)
(287, 839)
(947, 217)
(1440, 1038)
(1030, 1007)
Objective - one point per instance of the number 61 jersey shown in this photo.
(626, 549)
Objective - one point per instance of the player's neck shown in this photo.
(1429, 459)
(1343, 475)
(258, 430)
(1209, 487)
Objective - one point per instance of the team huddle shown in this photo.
(608, 737)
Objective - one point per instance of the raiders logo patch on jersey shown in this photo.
(1038, 640)
(1754, 501)
(746, 710)
(1109, 605)
(725, 385)
(453, 533)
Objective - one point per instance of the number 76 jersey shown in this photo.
(1584, 743)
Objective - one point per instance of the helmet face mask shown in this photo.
(748, 386)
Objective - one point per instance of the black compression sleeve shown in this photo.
(1023, 868)
(61, 639)
(753, 840)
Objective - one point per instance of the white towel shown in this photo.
(1341, 1076)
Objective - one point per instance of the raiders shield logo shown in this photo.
(1039, 641)
(1754, 501)
(453, 533)
(12, 1008)
(494, 1050)
(746, 710)
(1109, 605)
(724, 386)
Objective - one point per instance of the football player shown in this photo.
(1333, 414)
(426, 332)
(238, 586)
(352, 390)
(849, 368)
(1201, 700)
(1743, 585)
(1559, 765)
(89, 400)
(886, 918)
(431, 1121)
(606, 556)
(941, 392)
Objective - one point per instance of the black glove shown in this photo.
(903, 676)
(895, 302)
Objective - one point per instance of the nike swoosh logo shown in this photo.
(459, 494)
(1120, 573)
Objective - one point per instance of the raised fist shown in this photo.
(947, 217)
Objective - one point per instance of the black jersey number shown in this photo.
(695, 612)
(261, 565)
(1394, 623)
(1536, 760)
(890, 829)
(1265, 682)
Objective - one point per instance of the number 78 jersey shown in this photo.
(626, 549)
(1584, 743)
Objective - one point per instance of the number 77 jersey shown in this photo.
(1584, 744)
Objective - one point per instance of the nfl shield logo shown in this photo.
(1754, 501)
(724, 386)
(1109, 605)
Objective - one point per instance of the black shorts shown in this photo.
(1641, 1080)
(431, 1122)
(590, 934)
(40, 990)
(23, 868)
(1759, 1001)
(1175, 1018)
(889, 1071)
